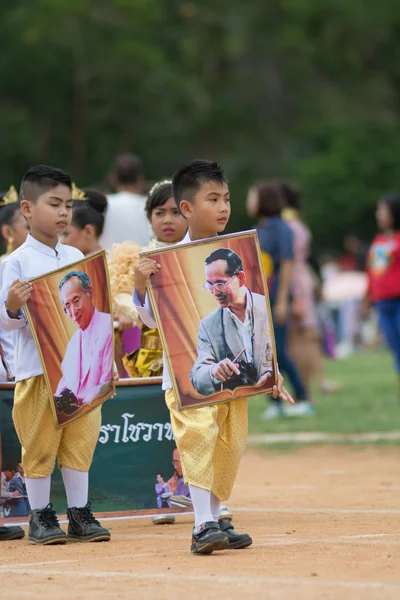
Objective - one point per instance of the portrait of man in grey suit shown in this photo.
(234, 341)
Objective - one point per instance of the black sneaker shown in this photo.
(44, 527)
(236, 540)
(208, 537)
(83, 527)
(11, 533)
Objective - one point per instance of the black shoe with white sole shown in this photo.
(208, 537)
(84, 527)
(44, 527)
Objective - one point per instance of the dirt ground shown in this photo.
(325, 525)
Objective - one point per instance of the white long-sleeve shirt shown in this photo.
(30, 260)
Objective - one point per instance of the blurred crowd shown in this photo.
(320, 304)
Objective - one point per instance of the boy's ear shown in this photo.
(26, 208)
(186, 208)
(89, 230)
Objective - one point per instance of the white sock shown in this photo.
(76, 485)
(215, 507)
(38, 491)
(201, 504)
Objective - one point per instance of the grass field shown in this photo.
(367, 402)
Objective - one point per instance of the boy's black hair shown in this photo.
(392, 199)
(127, 168)
(234, 262)
(40, 179)
(159, 197)
(271, 200)
(190, 177)
(90, 211)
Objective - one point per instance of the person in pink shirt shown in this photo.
(88, 361)
(304, 337)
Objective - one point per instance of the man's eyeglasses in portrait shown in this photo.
(75, 303)
(219, 286)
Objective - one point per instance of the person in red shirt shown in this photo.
(383, 270)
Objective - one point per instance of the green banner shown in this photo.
(135, 445)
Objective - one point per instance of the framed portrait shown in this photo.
(70, 316)
(211, 305)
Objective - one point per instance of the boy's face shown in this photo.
(52, 213)
(210, 210)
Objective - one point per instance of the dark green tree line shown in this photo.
(306, 89)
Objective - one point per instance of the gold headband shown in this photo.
(159, 184)
(10, 197)
(78, 194)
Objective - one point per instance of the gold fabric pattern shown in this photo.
(147, 361)
(41, 443)
(211, 441)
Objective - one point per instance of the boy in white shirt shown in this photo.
(212, 439)
(46, 203)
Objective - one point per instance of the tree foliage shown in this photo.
(305, 89)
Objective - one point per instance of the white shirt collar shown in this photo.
(188, 239)
(31, 241)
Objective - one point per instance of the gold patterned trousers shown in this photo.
(211, 441)
(41, 442)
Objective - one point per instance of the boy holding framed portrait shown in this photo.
(211, 439)
(46, 203)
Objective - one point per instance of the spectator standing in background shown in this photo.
(265, 201)
(125, 217)
(383, 272)
(355, 257)
(304, 337)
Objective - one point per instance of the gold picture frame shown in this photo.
(59, 341)
(182, 306)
